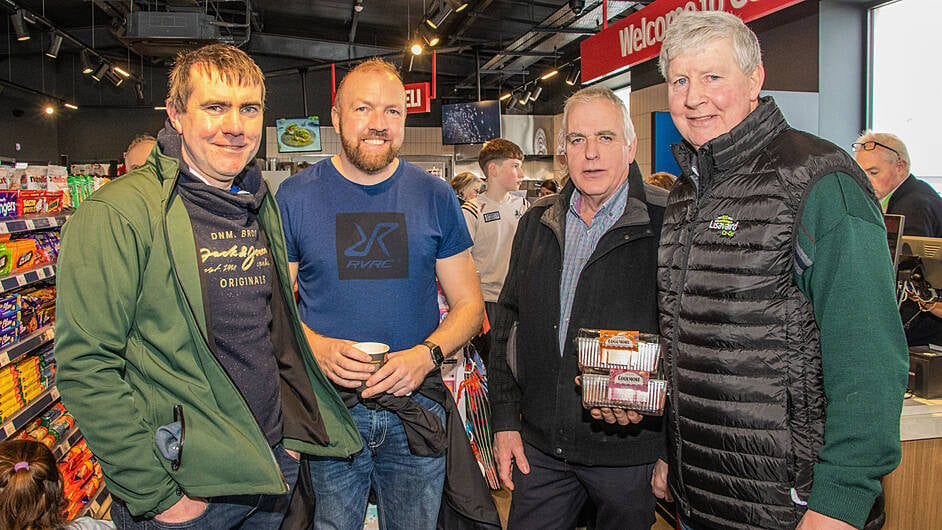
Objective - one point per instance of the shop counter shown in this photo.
(914, 489)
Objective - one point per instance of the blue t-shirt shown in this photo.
(366, 254)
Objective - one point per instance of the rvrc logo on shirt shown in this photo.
(725, 224)
(372, 246)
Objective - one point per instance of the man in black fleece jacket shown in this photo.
(585, 258)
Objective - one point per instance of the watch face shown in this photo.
(436, 352)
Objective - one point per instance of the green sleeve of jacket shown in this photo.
(98, 277)
(851, 285)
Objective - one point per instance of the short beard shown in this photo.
(367, 164)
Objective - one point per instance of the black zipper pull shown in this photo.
(178, 416)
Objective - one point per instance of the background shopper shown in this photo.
(31, 490)
(885, 160)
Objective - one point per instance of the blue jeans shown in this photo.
(232, 511)
(408, 487)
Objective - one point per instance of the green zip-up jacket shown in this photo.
(132, 344)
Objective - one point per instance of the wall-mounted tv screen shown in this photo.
(298, 135)
(470, 123)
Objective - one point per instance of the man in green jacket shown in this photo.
(179, 346)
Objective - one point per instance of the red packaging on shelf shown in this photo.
(53, 201)
(31, 202)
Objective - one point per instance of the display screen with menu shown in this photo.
(470, 123)
(298, 135)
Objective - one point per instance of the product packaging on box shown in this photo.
(34, 178)
(22, 253)
(31, 202)
(9, 320)
(617, 368)
(9, 336)
(9, 203)
(7, 179)
(9, 303)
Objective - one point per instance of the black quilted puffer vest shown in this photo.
(744, 361)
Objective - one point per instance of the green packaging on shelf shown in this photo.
(6, 259)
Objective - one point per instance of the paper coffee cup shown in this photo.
(377, 352)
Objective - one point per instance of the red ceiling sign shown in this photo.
(638, 37)
(418, 98)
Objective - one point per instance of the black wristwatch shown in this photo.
(436, 352)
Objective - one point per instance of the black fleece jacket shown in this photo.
(616, 290)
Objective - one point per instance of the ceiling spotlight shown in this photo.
(99, 74)
(54, 46)
(428, 36)
(573, 76)
(438, 16)
(49, 110)
(116, 79)
(87, 67)
(416, 48)
(72, 106)
(457, 5)
(19, 25)
(577, 6)
(549, 74)
(358, 7)
(536, 93)
(513, 102)
(121, 71)
(526, 97)
(505, 96)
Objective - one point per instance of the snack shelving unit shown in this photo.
(37, 343)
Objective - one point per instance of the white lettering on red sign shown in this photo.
(638, 37)
(414, 97)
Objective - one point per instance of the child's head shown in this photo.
(502, 163)
(30, 486)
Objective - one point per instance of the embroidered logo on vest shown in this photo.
(725, 224)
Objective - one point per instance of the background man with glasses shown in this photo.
(885, 160)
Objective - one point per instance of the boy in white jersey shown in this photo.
(492, 227)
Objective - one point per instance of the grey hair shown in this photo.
(588, 95)
(890, 140)
(694, 29)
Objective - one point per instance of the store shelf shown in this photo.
(33, 222)
(94, 506)
(71, 437)
(28, 413)
(27, 345)
(19, 279)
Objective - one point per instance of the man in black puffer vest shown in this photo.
(776, 295)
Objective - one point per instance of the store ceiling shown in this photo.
(490, 45)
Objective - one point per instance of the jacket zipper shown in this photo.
(686, 239)
(205, 339)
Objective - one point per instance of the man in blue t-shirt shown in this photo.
(367, 235)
